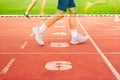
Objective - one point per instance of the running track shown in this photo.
(21, 58)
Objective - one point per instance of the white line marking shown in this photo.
(94, 37)
(60, 34)
(59, 26)
(111, 67)
(60, 52)
(106, 29)
(7, 67)
(58, 65)
(95, 22)
(31, 35)
(60, 21)
(59, 44)
(24, 45)
(106, 38)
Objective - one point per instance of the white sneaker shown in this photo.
(79, 39)
(38, 36)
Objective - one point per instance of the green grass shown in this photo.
(16, 7)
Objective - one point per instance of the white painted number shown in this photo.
(58, 65)
(59, 44)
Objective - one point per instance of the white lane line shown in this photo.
(7, 67)
(26, 42)
(60, 21)
(105, 29)
(61, 52)
(106, 38)
(95, 22)
(23, 45)
(59, 44)
(59, 26)
(32, 34)
(111, 67)
(97, 37)
(59, 34)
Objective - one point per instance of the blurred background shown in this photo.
(18, 7)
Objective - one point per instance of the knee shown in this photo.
(73, 12)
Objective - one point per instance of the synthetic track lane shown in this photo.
(89, 52)
(33, 47)
(19, 34)
(106, 37)
(106, 45)
(114, 57)
(32, 67)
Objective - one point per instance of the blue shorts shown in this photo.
(65, 4)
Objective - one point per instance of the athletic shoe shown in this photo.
(27, 16)
(38, 36)
(79, 39)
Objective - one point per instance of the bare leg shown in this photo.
(30, 6)
(43, 7)
(76, 38)
(39, 31)
(72, 18)
(59, 15)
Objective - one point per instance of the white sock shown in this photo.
(42, 28)
(74, 33)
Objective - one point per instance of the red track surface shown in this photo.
(21, 58)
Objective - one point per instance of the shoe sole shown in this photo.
(73, 43)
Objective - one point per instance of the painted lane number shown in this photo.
(58, 65)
